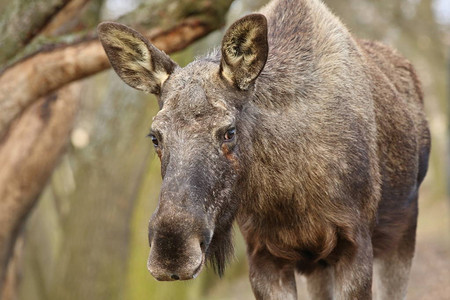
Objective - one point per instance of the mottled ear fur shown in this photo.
(244, 50)
(140, 64)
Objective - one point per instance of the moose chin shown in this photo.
(314, 141)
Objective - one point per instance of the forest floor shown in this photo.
(430, 274)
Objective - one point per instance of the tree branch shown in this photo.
(21, 21)
(57, 25)
(57, 64)
(27, 156)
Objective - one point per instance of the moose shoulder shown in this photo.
(313, 140)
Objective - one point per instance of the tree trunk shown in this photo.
(27, 156)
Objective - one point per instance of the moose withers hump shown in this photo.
(314, 141)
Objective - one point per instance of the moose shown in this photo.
(313, 141)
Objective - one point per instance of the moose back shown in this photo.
(314, 141)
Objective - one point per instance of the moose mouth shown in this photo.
(190, 269)
(175, 277)
(175, 257)
(199, 268)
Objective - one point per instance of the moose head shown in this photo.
(202, 135)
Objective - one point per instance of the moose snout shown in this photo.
(172, 258)
(179, 234)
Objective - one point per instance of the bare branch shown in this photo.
(57, 25)
(22, 20)
(27, 156)
(48, 70)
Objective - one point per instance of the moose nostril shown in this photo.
(175, 277)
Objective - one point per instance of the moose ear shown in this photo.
(244, 50)
(140, 64)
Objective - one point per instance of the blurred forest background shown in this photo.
(79, 230)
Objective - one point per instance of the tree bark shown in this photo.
(65, 20)
(21, 21)
(11, 287)
(27, 156)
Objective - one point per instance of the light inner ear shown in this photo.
(137, 62)
(244, 50)
(131, 49)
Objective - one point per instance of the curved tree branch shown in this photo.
(56, 64)
(21, 21)
(27, 156)
(57, 25)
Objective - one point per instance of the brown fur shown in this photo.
(322, 176)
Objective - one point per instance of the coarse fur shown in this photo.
(314, 141)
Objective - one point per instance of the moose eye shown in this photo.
(154, 139)
(229, 135)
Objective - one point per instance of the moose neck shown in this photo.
(303, 83)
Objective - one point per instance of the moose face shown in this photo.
(195, 137)
(198, 135)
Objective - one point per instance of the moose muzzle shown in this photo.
(178, 242)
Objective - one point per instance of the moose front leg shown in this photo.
(353, 272)
(271, 278)
(320, 283)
